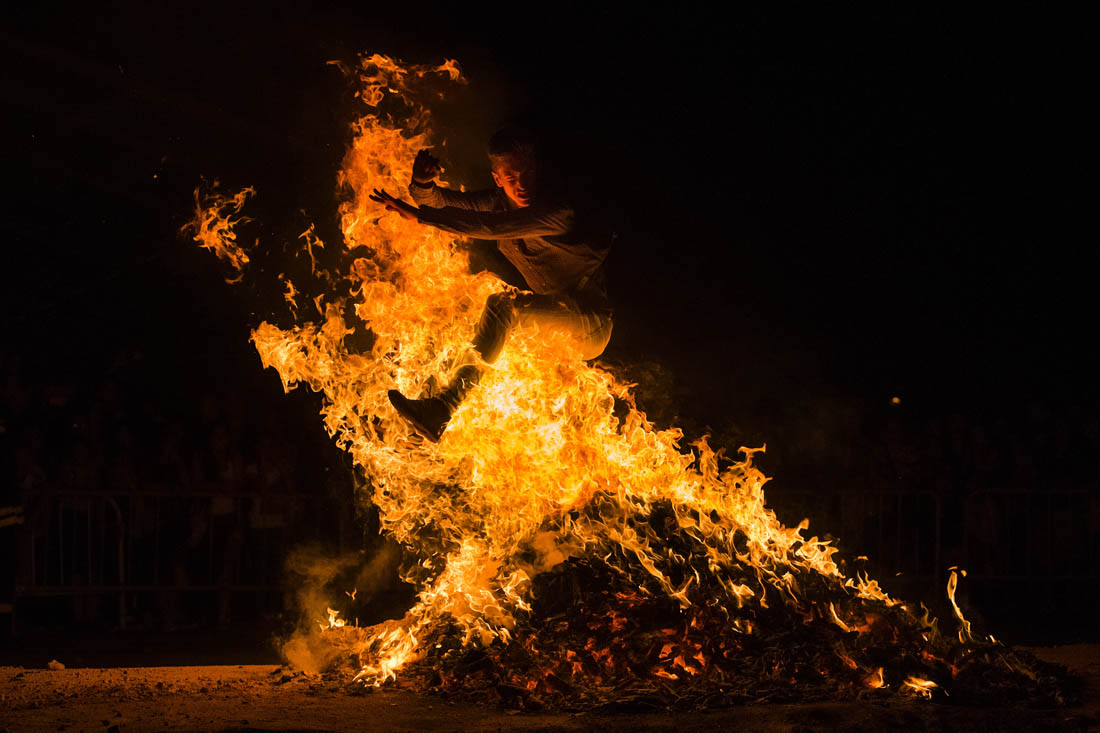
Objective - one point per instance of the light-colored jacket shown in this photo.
(541, 240)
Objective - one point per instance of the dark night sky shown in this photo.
(874, 205)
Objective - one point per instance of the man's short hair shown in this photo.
(512, 142)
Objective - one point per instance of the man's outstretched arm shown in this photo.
(439, 197)
(530, 221)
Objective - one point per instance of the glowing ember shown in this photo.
(547, 471)
(920, 686)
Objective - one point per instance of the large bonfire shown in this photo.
(565, 550)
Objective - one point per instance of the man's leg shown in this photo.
(588, 323)
(430, 416)
(496, 323)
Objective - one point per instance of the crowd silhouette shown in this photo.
(193, 503)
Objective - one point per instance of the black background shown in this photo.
(867, 206)
(879, 202)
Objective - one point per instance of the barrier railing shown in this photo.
(1003, 536)
(105, 542)
(899, 531)
(1014, 534)
(163, 541)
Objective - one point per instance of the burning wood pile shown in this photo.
(619, 650)
(596, 639)
(567, 553)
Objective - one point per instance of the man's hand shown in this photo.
(426, 167)
(407, 211)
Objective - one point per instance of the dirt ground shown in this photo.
(265, 697)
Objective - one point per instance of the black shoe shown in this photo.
(428, 417)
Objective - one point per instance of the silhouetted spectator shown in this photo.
(167, 498)
(271, 509)
(903, 456)
(218, 468)
(984, 459)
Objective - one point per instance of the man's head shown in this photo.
(514, 159)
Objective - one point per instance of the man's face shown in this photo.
(517, 176)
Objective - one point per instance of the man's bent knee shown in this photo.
(503, 299)
(496, 322)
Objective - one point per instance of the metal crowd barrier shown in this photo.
(1034, 554)
(1019, 535)
(1035, 539)
(105, 543)
(900, 532)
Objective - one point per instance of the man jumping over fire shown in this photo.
(535, 228)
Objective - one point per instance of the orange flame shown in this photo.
(919, 686)
(875, 679)
(334, 620)
(216, 217)
(536, 465)
(964, 625)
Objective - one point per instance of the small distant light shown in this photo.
(895, 400)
